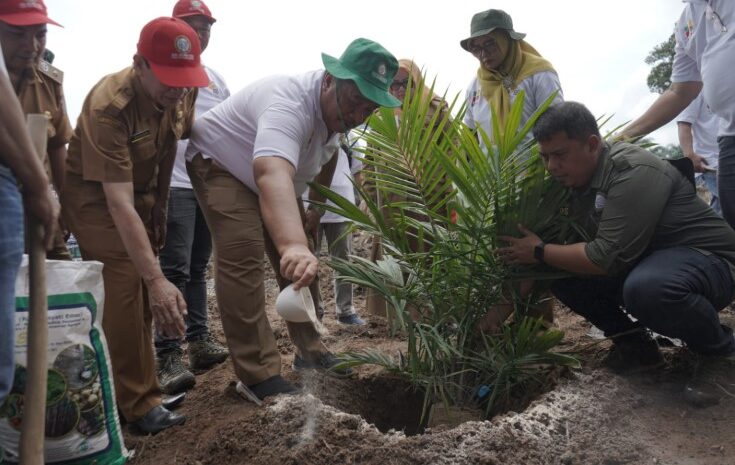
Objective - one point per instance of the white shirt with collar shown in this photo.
(705, 125)
(537, 87)
(208, 98)
(705, 52)
(278, 116)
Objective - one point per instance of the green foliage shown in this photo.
(662, 60)
(439, 200)
(519, 356)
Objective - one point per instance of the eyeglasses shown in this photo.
(489, 46)
(395, 85)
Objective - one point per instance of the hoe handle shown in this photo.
(34, 405)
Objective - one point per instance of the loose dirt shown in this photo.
(590, 417)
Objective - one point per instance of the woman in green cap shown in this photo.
(508, 65)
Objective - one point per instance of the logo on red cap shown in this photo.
(182, 44)
(196, 5)
(184, 8)
(31, 4)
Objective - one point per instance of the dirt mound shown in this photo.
(567, 426)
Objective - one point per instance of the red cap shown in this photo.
(184, 8)
(172, 49)
(24, 13)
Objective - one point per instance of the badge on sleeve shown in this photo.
(600, 201)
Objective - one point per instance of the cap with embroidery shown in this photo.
(172, 49)
(370, 66)
(184, 8)
(24, 13)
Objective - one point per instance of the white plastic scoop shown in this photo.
(296, 306)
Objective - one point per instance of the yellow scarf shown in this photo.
(521, 61)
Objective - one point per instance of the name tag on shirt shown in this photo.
(140, 136)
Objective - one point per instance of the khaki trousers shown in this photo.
(127, 316)
(240, 241)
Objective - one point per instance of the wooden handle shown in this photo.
(34, 406)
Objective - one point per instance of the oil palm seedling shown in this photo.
(438, 199)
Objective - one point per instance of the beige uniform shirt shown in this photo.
(121, 136)
(42, 92)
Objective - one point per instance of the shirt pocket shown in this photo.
(145, 163)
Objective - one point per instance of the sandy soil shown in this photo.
(591, 416)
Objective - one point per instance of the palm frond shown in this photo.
(438, 199)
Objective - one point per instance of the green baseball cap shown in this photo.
(486, 22)
(370, 66)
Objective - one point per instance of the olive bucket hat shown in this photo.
(370, 66)
(486, 22)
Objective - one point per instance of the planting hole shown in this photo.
(390, 403)
(386, 402)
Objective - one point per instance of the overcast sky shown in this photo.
(597, 47)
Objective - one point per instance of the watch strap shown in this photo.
(538, 251)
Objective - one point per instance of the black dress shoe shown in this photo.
(171, 402)
(270, 387)
(156, 420)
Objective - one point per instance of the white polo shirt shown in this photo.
(705, 125)
(208, 98)
(278, 116)
(705, 52)
(537, 87)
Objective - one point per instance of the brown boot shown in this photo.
(173, 376)
(206, 353)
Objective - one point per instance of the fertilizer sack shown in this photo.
(82, 426)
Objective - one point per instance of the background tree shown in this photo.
(662, 59)
(669, 151)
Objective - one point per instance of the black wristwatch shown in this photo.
(538, 252)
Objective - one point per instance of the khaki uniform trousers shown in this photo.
(240, 240)
(127, 317)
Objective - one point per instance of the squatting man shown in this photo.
(656, 251)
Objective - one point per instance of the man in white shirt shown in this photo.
(185, 255)
(698, 128)
(250, 159)
(705, 52)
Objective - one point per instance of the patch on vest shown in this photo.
(600, 201)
